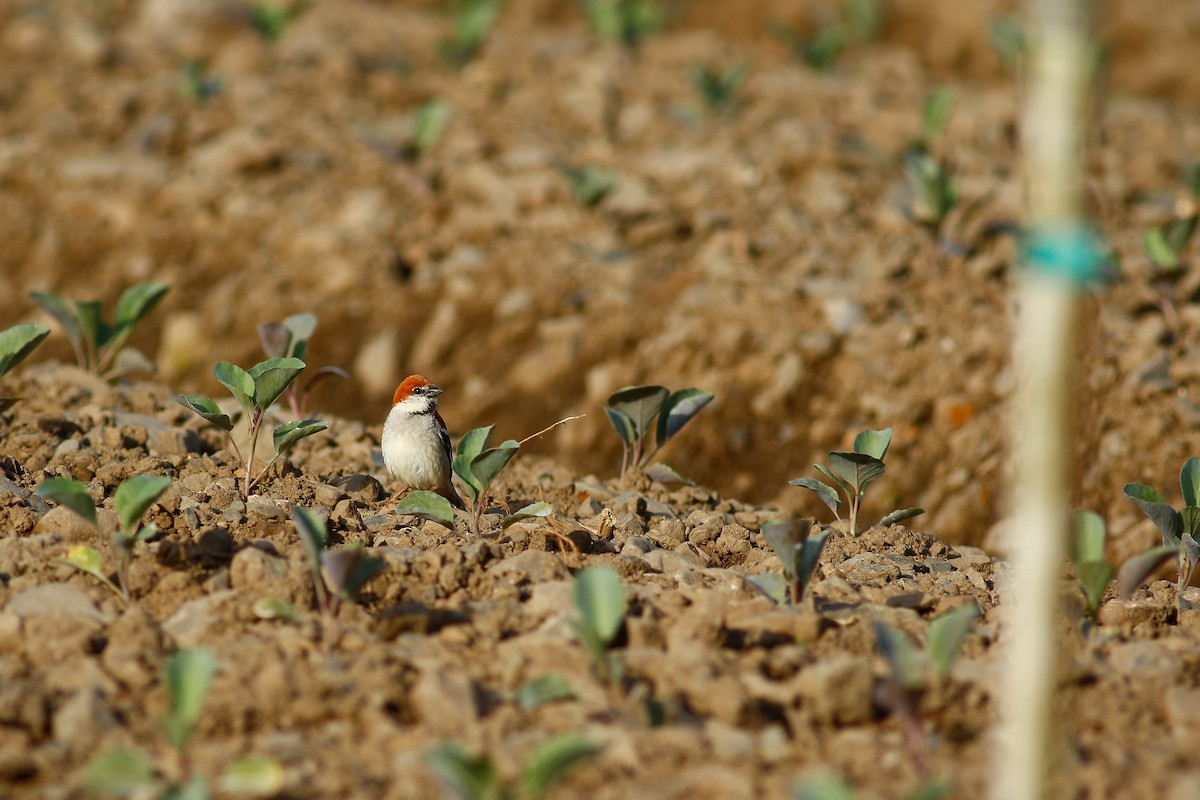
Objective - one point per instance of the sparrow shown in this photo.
(415, 442)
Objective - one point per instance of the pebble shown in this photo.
(50, 598)
(838, 689)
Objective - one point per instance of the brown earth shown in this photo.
(762, 256)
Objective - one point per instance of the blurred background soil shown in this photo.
(762, 255)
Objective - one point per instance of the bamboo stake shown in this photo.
(1042, 353)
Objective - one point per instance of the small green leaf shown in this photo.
(274, 338)
(91, 322)
(312, 532)
(1094, 578)
(824, 788)
(347, 571)
(65, 315)
(531, 511)
(1160, 252)
(18, 342)
(272, 377)
(543, 689)
(289, 433)
(1165, 518)
(900, 515)
(120, 772)
(274, 608)
(787, 540)
(624, 426)
(600, 598)
(1189, 482)
(945, 636)
(136, 495)
(824, 470)
(427, 505)
(873, 443)
(253, 775)
(772, 584)
(1087, 537)
(552, 760)
(488, 464)
(189, 675)
(238, 382)
(641, 404)
(905, 660)
(70, 493)
(858, 470)
(207, 409)
(828, 494)
(677, 410)
(84, 559)
(1135, 571)
(191, 789)
(468, 777)
(934, 116)
(661, 473)
(300, 328)
(811, 555)
(135, 303)
(429, 123)
(469, 446)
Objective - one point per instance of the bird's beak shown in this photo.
(434, 391)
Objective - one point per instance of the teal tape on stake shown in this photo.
(1074, 252)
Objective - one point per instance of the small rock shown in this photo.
(444, 698)
(66, 524)
(867, 568)
(531, 566)
(188, 625)
(261, 506)
(327, 495)
(670, 561)
(638, 546)
(1144, 659)
(360, 487)
(83, 720)
(55, 598)
(838, 689)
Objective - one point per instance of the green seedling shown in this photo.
(1007, 36)
(719, 88)
(99, 345)
(856, 22)
(428, 125)
(16, 343)
(633, 410)
(600, 605)
(589, 185)
(1094, 574)
(188, 677)
(131, 500)
(852, 473)
(799, 552)
(289, 339)
(1179, 531)
(196, 83)
(818, 50)
(255, 390)
(338, 575)
(909, 668)
(427, 505)
(1166, 244)
(476, 777)
(542, 690)
(477, 465)
(271, 19)
(624, 21)
(473, 22)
